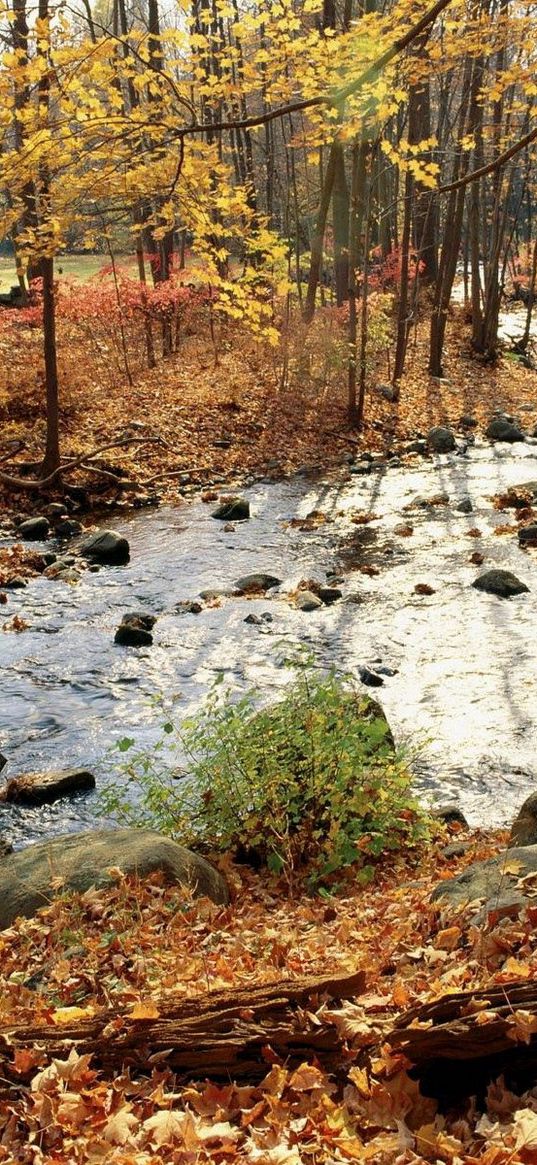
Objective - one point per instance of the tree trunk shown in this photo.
(318, 233)
(51, 460)
(340, 212)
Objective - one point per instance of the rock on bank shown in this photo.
(32, 877)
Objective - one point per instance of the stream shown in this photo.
(464, 661)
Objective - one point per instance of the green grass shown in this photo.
(79, 267)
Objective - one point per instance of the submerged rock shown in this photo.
(500, 582)
(464, 506)
(30, 878)
(527, 535)
(371, 678)
(307, 601)
(44, 788)
(232, 510)
(259, 582)
(330, 595)
(135, 630)
(106, 546)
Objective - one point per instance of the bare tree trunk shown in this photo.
(340, 211)
(318, 234)
(51, 460)
(403, 313)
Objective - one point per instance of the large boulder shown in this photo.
(107, 547)
(500, 429)
(43, 788)
(30, 878)
(494, 885)
(500, 582)
(524, 827)
(441, 440)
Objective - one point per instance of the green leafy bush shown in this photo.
(312, 783)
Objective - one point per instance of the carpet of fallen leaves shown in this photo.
(134, 946)
(221, 411)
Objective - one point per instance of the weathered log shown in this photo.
(459, 1026)
(459, 1043)
(219, 1033)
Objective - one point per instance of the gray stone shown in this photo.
(16, 583)
(233, 510)
(416, 447)
(5, 846)
(387, 391)
(43, 788)
(500, 582)
(468, 422)
(107, 547)
(188, 607)
(464, 506)
(527, 535)
(449, 814)
(502, 429)
(361, 469)
(217, 593)
(441, 440)
(256, 583)
(35, 529)
(456, 849)
(493, 885)
(32, 877)
(524, 827)
(307, 601)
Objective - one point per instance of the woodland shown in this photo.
(241, 239)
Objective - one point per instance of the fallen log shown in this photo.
(229, 1033)
(468, 1024)
(459, 1043)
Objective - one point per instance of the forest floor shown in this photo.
(117, 952)
(222, 413)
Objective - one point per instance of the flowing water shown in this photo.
(464, 685)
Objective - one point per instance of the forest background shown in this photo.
(261, 165)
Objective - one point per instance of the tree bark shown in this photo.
(219, 1034)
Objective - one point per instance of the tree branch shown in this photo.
(496, 164)
(338, 96)
(75, 463)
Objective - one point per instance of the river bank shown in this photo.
(110, 959)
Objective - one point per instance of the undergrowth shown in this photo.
(309, 785)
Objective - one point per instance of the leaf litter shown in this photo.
(135, 946)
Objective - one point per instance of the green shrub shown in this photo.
(312, 783)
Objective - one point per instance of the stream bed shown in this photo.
(464, 688)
